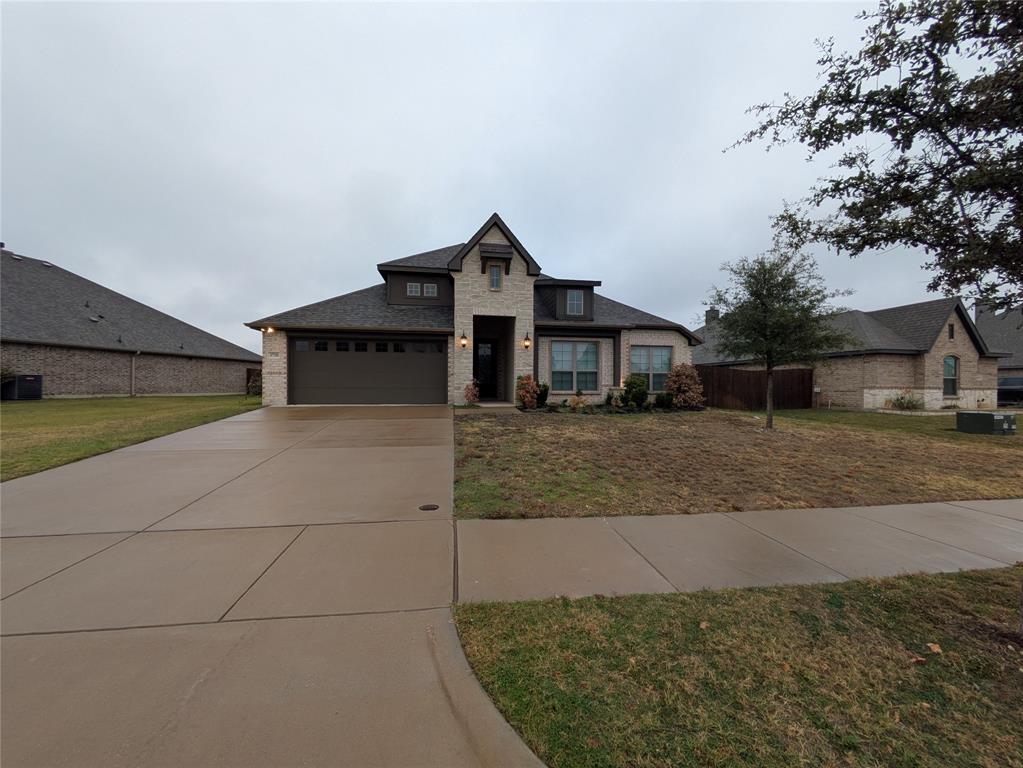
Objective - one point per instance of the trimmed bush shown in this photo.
(526, 391)
(684, 386)
(541, 395)
(472, 392)
(636, 391)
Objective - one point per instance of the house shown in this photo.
(480, 310)
(932, 348)
(1004, 331)
(86, 340)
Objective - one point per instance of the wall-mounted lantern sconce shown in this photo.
(270, 330)
(527, 342)
(464, 341)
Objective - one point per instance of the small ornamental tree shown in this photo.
(776, 311)
(685, 387)
(526, 391)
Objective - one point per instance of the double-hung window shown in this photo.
(494, 273)
(574, 366)
(950, 376)
(413, 289)
(574, 302)
(652, 362)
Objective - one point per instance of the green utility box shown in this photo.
(986, 423)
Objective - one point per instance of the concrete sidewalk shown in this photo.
(506, 560)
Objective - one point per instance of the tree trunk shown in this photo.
(770, 397)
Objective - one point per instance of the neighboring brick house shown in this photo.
(480, 310)
(1004, 331)
(932, 349)
(86, 340)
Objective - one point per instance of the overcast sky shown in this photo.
(225, 162)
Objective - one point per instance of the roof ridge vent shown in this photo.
(94, 319)
(16, 257)
(46, 263)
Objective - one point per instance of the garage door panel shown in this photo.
(416, 375)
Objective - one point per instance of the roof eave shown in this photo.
(130, 350)
(354, 328)
(385, 268)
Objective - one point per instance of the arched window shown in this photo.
(950, 374)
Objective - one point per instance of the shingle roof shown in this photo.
(44, 304)
(366, 309)
(909, 330)
(610, 313)
(1004, 332)
(435, 259)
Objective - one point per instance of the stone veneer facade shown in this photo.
(79, 372)
(275, 368)
(473, 297)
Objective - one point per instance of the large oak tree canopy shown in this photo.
(927, 119)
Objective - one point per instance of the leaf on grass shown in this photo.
(934, 648)
(704, 624)
(918, 660)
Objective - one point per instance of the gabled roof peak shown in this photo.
(455, 264)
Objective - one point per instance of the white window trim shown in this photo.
(413, 289)
(430, 290)
(575, 383)
(568, 302)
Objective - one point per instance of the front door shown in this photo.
(484, 368)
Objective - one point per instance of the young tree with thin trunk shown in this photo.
(776, 311)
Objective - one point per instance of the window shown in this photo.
(301, 346)
(321, 346)
(950, 376)
(412, 289)
(494, 271)
(360, 346)
(574, 302)
(342, 346)
(430, 290)
(399, 346)
(653, 363)
(951, 330)
(574, 366)
(381, 346)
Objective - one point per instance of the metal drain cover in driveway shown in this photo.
(428, 507)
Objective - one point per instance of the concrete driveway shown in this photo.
(264, 590)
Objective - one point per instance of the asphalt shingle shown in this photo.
(42, 303)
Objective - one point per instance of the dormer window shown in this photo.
(413, 289)
(494, 272)
(574, 302)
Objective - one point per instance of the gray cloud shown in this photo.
(226, 161)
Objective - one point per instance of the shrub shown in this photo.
(906, 401)
(254, 383)
(472, 392)
(664, 400)
(684, 386)
(541, 395)
(577, 403)
(526, 391)
(636, 391)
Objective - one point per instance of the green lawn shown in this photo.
(829, 675)
(40, 434)
(940, 426)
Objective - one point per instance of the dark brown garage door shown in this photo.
(367, 370)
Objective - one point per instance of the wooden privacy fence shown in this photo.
(747, 390)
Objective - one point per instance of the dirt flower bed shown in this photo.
(573, 465)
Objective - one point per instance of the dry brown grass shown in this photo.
(563, 465)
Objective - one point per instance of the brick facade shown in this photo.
(872, 380)
(474, 297)
(605, 366)
(681, 351)
(74, 372)
(275, 368)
